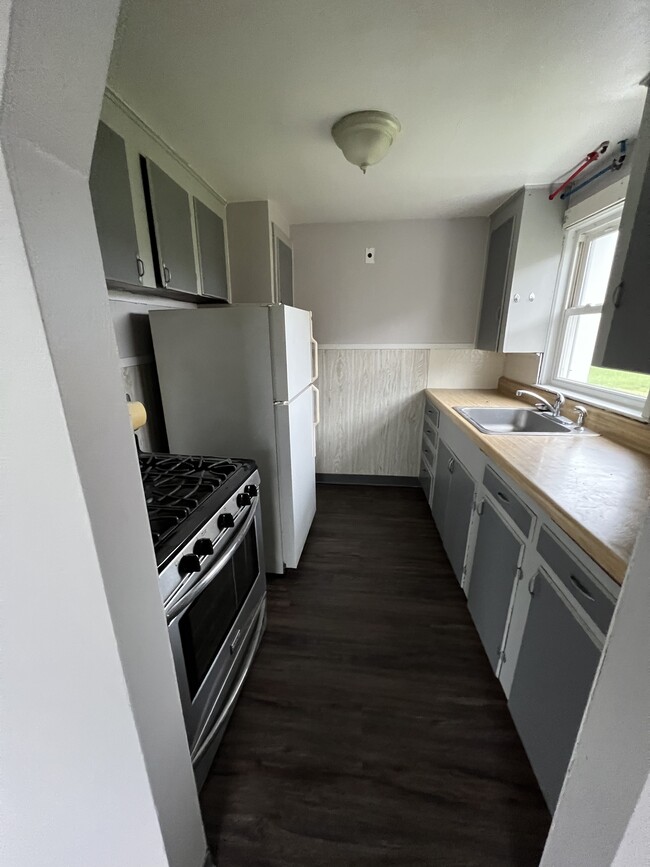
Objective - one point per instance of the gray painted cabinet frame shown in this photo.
(623, 341)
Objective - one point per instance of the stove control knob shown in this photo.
(243, 500)
(203, 548)
(225, 521)
(188, 564)
(251, 490)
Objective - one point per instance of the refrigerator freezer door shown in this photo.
(291, 350)
(214, 368)
(294, 424)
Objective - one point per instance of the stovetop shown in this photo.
(185, 491)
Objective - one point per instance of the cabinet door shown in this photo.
(172, 230)
(110, 191)
(494, 287)
(623, 342)
(555, 668)
(441, 485)
(212, 252)
(425, 480)
(494, 571)
(458, 516)
(284, 271)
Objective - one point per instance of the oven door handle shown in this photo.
(181, 604)
(203, 744)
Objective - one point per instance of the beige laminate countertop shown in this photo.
(596, 490)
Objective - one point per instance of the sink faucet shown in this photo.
(542, 404)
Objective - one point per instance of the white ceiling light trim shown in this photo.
(365, 136)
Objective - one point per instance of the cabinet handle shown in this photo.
(167, 275)
(531, 584)
(450, 465)
(581, 587)
(498, 314)
(618, 293)
(140, 266)
(502, 496)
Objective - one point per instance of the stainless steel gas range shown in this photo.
(206, 527)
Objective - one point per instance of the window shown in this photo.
(588, 257)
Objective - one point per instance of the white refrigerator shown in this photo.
(238, 381)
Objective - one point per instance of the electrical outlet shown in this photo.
(370, 255)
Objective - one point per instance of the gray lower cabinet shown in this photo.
(212, 252)
(453, 497)
(425, 480)
(497, 555)
(555, 669)
(441, 486)
(171, 230)
(110, 191)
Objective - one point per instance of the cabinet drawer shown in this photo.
(582, 586)
(429, 432)
(431, 414)
(426, 480)
(508, 500)
(428, 453)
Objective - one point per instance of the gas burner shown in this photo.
(182, 490)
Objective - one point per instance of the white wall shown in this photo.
(94, 757)
(608, 775)
(424, 287)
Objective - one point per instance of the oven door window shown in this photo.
(204, 626)
(246, 565)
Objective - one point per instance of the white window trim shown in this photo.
(637, 407)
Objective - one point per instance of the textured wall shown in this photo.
(371, 411)
(424, 287)
(464, 368)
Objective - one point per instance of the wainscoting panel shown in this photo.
(371, 410)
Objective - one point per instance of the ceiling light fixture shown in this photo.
(365, 136)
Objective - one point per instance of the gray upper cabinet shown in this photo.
(521, 270)
(110, 190)
(171, 225)
(494, 287)
(623, 342)
(453, 497)
(212, 252)
(497, 555)
(555, 669)
(283, 270)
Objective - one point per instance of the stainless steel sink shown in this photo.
(511, 420)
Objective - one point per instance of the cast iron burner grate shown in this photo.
(177, 489)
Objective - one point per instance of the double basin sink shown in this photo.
(512, 420)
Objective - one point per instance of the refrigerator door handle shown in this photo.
(314, 360)
(316, 418)
(317, 404)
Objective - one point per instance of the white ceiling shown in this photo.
(490, 95)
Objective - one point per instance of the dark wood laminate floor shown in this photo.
(371, 730)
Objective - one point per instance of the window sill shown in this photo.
(599, 403)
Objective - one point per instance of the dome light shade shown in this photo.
(365, 136)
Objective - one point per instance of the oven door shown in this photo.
(209, 621)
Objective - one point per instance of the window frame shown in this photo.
(571, 271)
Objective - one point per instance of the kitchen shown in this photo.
(391, 342)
